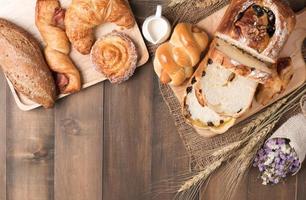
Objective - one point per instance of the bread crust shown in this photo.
(23, 63)
(284, 24)
(175, 60)
(237, 68)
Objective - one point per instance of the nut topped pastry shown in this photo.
(115, 56)
(257, 27)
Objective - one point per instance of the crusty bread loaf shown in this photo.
(23, 64)
(258, 27)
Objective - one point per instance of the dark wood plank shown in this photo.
(30, 147)
(281, 191)
(3, 91)
(79, 145)
(169, 157)
(301, 184)
(213, 190)
(128, 137)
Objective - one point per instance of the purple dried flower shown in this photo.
(275, 160)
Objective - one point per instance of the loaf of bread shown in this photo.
(23, 64)
(259, 28)
(221, 96)
(174, 60)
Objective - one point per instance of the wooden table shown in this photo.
(108, 142)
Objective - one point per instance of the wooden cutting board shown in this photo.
(293, 48)
(22, 13)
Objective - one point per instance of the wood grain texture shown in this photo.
(109, 142)
(301, 184)
(29, 149)
(3, 91)
(281, 191)
(169, 157)
(212, 189)
(128, 137)
(79, 146)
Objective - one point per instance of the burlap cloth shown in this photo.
(194, 143)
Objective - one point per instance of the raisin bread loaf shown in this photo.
(259, 28)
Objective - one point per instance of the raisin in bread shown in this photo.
(259, 28)
(282, 75)
(204, 117)
(216, 96)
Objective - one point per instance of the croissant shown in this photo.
(83, 16)
(49, 20)
(174, 60)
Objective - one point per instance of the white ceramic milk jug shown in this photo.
(156, 28)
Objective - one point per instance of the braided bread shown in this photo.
(50, 22)
(83, 16)
(174, 60)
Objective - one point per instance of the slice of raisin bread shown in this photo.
(222, 90)
(204, 117)
(216, 96)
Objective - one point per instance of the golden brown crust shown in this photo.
(194, 84)
(176, 58)
(242, 24)
(83, 16)
(47, 18)
(239, 69)
(23, 64)
(282, 75)
(115, 56)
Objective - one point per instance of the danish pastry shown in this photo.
(83, 16)
(115, 56)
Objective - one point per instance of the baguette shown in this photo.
(23, 64)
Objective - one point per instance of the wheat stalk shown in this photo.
(303, 105)
(200, 176)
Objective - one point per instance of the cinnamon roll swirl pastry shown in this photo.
(115, 56)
